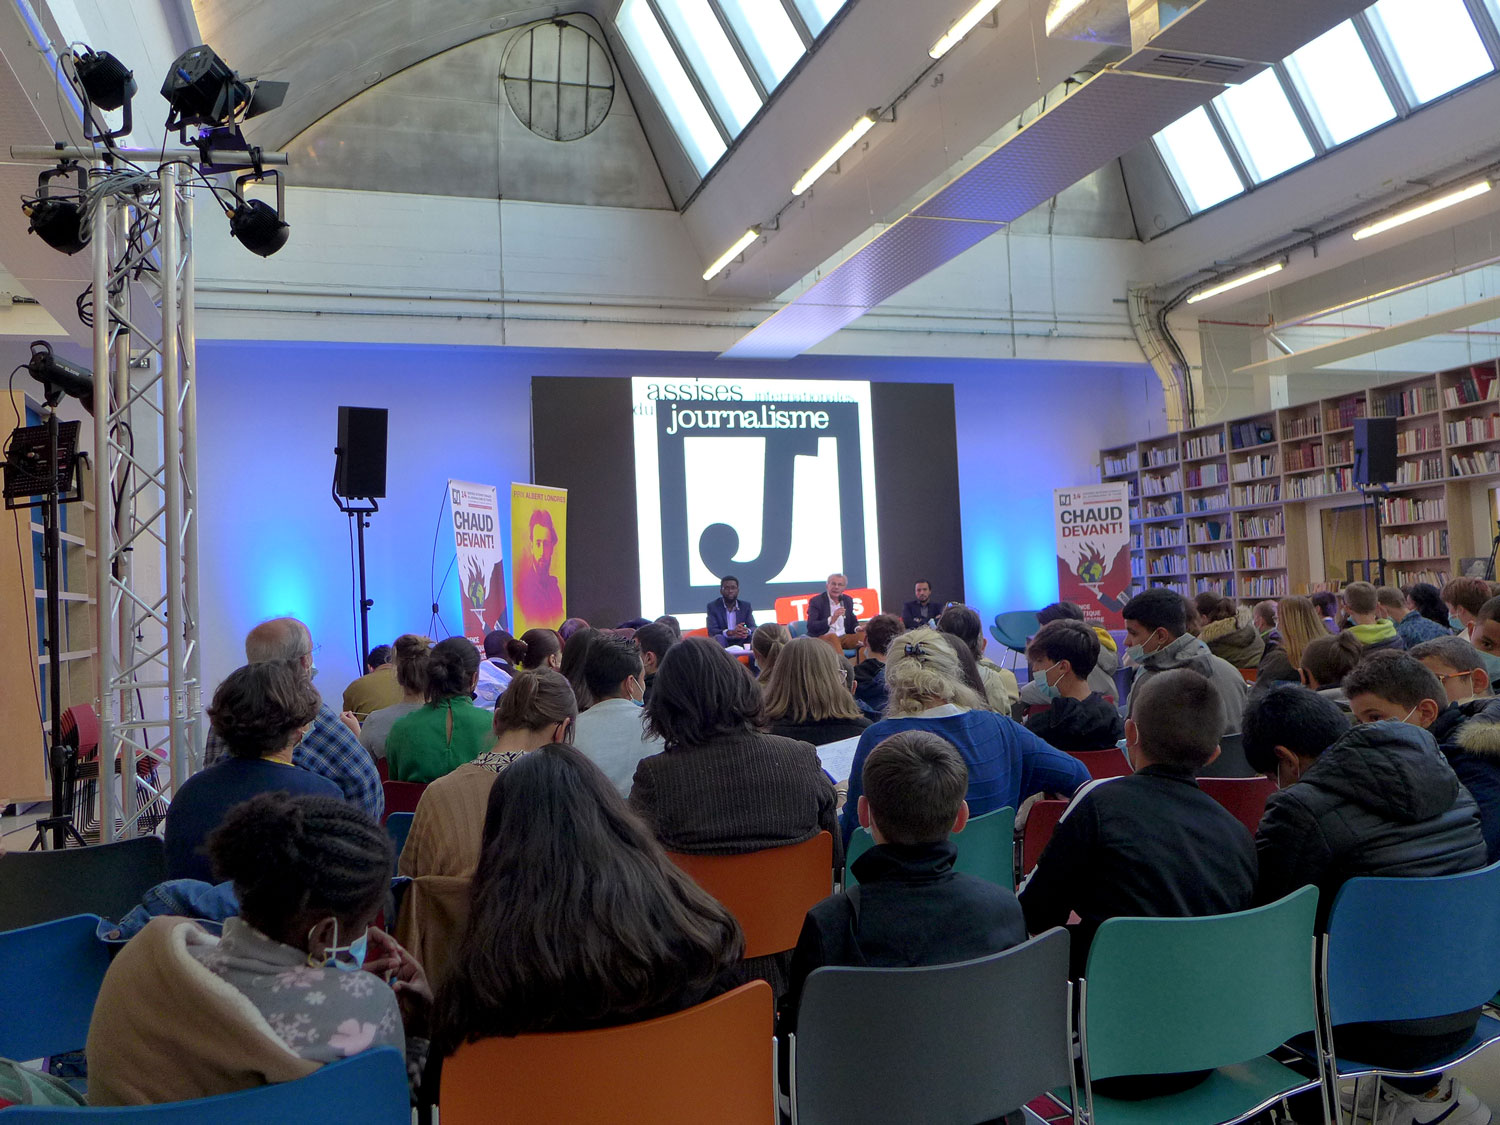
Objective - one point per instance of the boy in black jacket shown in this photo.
(1062, 655)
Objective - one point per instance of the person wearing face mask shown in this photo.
(1377, 799)
(1156, 629)
(611, 732)
(1077, 718)
(297, 980)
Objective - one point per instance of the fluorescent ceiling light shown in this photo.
(731, 254)
(1236, 282)
(831, 157)
(1059, 12)
(966, 23)
(1423, 210)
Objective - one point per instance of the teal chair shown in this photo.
(398, 828)
(986, 849)
(50, 975)
(1013, 629)
(797, 629)
(1169, 995)
(369, 1088)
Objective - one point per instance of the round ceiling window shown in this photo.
(559, 81)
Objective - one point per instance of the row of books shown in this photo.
(1413, 547)
(1211, 560)
(1247, 494)
(1473, 464)
(1114, 466)
(1479, 385)
(1176, 585)
(1244, 435)
(1258, 527)
(1406, 509)
(1263, 557)
(1402, 404)
(1417, 441)
(1169, 506)
(1486, 427)
(1156, 486)
(1209, 502)
(1257, 468)
(1410, 577)
(1341, 415)
(1341, 451)
(1299, 457)
(1209, 531)
(1301, 425)
(1206, 445)
(1158, 458)
(1169, 536)
(1415, 472)
(1263, 586)
(1167, 565)
(1224, 587)
(1212, 473)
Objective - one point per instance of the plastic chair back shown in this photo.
(797, 628)
(986, 848)
(1231, 761)
(769, 892)
(1041, 822)
(1245, 797)
(1250, 675)
(103, 879)
(1405, 949)
(369, 1088)
(964, 1042)
(712, 1062)
(1013, 629)
(398, 828)
(1166, 995)
(49, 976)
(402, 796)
(1103, 763)
(383, 769)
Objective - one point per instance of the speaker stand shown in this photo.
(1489, 570)
(358, 517)
(1374, 501)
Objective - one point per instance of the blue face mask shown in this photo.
(346, 958)
(1049, 691)
(1455, 623)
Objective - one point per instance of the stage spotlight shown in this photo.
(58, 220)
(108, 85)
(203, 90)
(259, 227)
(59, 376)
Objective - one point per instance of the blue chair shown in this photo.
(398, 828)
(1013, 629)
(1406, 949)
(369, 1089)
(49, 978)
(797, 628)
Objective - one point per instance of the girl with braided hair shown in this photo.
(299, 979)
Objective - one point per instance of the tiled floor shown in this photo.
(16, 831)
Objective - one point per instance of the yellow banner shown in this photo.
(539, 539)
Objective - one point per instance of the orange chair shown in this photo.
(711, 1062)
(1245, 797)
(1041, 820)
(769, 892)
(1250, 674)
(401, 796)
(1103, 763)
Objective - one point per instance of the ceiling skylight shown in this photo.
(1204, 173)
(1263, 126)
(1433, 44)
(766, 33)
(669, 81)
(1340, 85)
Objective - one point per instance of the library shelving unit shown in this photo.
(1223, 507)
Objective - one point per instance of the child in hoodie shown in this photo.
(1062, 655)
(1156, 628)
(1374, 632)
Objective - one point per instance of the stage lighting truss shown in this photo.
(260, 228)
(203, 90)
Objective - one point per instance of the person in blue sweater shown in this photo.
(1006, 762)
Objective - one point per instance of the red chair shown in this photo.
(1040, 823)
(1245, 797)
(402, 796)
(1104, 763)
(383, 768)
(1250, 675)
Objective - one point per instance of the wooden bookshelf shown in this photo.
(1224, 507)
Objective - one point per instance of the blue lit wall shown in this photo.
(272, 541)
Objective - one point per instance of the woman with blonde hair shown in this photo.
(1298, 624)
(1007, 763)
(766, 644)
(809, 696)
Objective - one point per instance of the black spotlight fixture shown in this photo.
(202, 89)
(259, 227)
(108, 85)
(58, 220)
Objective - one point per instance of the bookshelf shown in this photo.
(1224, 507)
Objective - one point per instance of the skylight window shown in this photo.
(713, 60)
(1338, 82)
(1433, 45)
(767, 36)
(1194, 155)
(1264, 127)
(669, 82)
(815, 13)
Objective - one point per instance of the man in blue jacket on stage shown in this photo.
(730, 620)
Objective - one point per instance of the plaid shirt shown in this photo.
(333, 751)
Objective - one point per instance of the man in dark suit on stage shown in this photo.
(730, 620)
(833, 611)
(921, 609)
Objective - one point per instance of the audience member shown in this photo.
(331, 748)
(1327, 603)
(1485, 636)
(1192, 620)
(411, 677)
(276, 1001)
(1006, 762)
(611, 733)
(1263, 617)
(1102, 678)
(1156, 627)
(1375, 800)
(766, 644)
(921, 609)
(653, 640)
(543, 949)
(1231, 636)
(260, 713)
(1151, 844)
(572, 625)
(1465, 598)
(497, 650)
(1374, 630)
(671, 623)
(808, 697)
(537, 711)
(731, 619)
(1458, 666)
(1426, 599)
(1000, 687)
(377, 688)
(633, 624)
(536, 648)
(448, 730)
(1411, 626)
(1077, 718)
(869, 674)
(832, 611)
(575, 655)
(1297, 625)
(1409, 691)
(1325, 663)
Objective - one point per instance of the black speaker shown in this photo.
(361, 452)
(1374, 451)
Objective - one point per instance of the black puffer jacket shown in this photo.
(1380, 801)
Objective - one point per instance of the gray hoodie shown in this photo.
(1187, 651)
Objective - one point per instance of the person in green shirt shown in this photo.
(447, 730)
